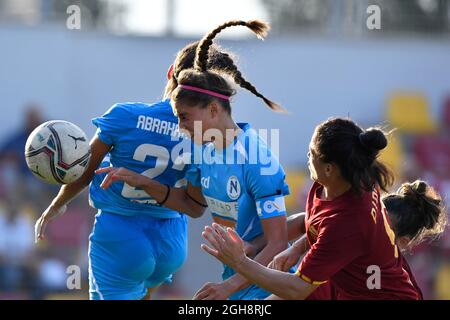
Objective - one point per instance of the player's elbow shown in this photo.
(194, 208)
(196, 212)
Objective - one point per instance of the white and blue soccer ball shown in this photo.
(57, 152)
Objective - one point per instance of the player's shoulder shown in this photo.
(356, 210)
(252, 143)
(364, 201)
(250, 135)
(346, 207)
(143, 107)
(260, 160)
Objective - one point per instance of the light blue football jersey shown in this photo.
(242, 184)
(144, 138)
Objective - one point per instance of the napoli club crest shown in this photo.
(233, 188)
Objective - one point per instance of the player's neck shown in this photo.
(335, 190)
(229, 130)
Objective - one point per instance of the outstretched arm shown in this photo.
(295, 230)
(189, 200)
(227, 247)
(69, 191)
(275, 235)
(275, 241)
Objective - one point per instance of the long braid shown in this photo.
(240, 80)
(233, 70)
(201, 59)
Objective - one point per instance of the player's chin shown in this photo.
(312, 176)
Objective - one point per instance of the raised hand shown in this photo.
(119, 174)
(226, 245)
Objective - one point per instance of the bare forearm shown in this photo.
(69, 191)
(256, 245)
(282, 284)
(264, 257)
(296, 225)
(295, 229)
(301, 244)
(177, 199)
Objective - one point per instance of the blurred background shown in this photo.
(320, 60)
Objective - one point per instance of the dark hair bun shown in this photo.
(419, 187)
(427, 202)
(416, 190)
(373, 139)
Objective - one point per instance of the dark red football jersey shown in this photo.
(327, 292)
(323, 292)
(411, 276)
(353, 246)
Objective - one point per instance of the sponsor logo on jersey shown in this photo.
(205, 182)
(222, 208)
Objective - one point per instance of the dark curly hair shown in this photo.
(418, 212)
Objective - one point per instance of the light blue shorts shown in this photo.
(127, 254)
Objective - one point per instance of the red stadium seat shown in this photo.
(433, 152)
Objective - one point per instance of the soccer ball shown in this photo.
(57, 152)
